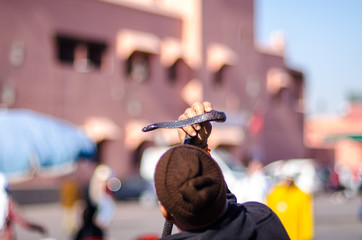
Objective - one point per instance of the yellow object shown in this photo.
(69, 195)
(295, 209)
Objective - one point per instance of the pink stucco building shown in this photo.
(113, 66)
(336, 143)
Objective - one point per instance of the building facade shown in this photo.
(336, 142)
(114, 66)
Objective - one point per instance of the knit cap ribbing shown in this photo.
(191, 187)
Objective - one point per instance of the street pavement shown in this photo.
(335, 219)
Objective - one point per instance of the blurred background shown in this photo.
(80, 79)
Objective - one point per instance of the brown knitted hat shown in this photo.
(191, 186)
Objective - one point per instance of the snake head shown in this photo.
(150, 128)
(221, 117)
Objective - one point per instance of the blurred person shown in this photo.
(194, 196)
(10, 215)
(254, 186)
(293, 206)
(333, 183)
(89, 229)
(100, 195)
(69, 199)
(348, 179)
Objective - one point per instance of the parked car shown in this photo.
(133, 188)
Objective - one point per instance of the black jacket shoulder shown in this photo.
(248, 221)
(267, 223)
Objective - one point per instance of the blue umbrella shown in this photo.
(35, 143)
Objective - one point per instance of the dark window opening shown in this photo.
(84, 55)
(179, 72)
(100, 147)
(173, 71)
(283, 97)
(137, 67)
(297, 89)
(66, 49)
(219, 76)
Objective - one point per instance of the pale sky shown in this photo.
(324, 41)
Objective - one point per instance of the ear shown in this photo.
(165, 214)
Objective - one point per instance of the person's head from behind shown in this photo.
(190, 187)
